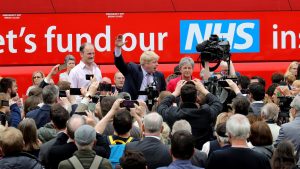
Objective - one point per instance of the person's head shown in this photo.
(292, 68)
(186, 67)
(258, 79)
(3, 108)
(152, 123)
(165, 134)
(122, 122)
(296, 87)
(64, 85)
(295, 105)
(106, 80)
(260, 134)
(257, 91)
(11, 141)
(283, 156)
(188, 93)
(182, 145)
(162, 95)
(9, 86)
(222, 137)
(271, 89)
(59, 116)
(85, 137)
(270, 111)
(37, 77)
(70, 62)
(240, 105)
(37, 91)
(277, 77)
(253, 118)
(124, 95)
(224, 68)
(31, 103)
(133, 159)
(106, 104)
(177, 70)
(222, 118)
(29, 131)
(243, 83)
(238, 127)
(87, 53)
(149, 61)
(181, 125)
(119, 80)
(73, 124)
(289, 78)
(50, 94)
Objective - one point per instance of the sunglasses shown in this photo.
(36, 77)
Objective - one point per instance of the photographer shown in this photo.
(201, 117)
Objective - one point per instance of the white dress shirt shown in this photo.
(78, 73)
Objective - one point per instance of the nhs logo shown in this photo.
(243, 35)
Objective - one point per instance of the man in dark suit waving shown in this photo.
(139, 77)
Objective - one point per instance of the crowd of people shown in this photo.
(145, 120)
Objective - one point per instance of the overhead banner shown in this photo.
(43, 39)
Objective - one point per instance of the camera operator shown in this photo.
(201, 117)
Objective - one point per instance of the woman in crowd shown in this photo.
(37, 77)
(70, 62)
(29, 131)
(292, 69)
(261, 138)
(283, 157)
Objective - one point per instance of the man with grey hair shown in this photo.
(186, 68)
(239, 155)
(41, 116)
(288, 131)
(85, 156)
(156, 153)
(269, 113)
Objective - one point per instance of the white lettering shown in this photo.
(11, 36)
(284, 36)
(229, 35)
(241, 33)
(79, 39)
(106, 36)
(2, 42)
(161, 37)
(142, 42)
(69, 43)
(275, 37)
(30, 43)
(49, 37)
(133, 42)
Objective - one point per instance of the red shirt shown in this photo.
(172, 83)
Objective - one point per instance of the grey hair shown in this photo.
(74, 123)
(153, 122)
(50, 94)
(124, 95)
(186, 61)
(270, 111)
(296, 103)
(238, 127)
(68, 58)
(181, 125)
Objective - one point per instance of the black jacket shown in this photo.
(201, 119)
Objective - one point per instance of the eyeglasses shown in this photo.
(36, 77)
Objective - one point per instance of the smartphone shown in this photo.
(129, 103)
(75, 91)
(113, 88)
(223, 83)
(62, 67)
(104, 87)
(4, 103)
(89, 76)
(62, 93)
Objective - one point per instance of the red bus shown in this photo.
(37, 34)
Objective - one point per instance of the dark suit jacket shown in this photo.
(41, 116)
(256, 108)
(201, 119)
(134, 76)
(156, 153)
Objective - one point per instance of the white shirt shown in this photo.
(144, 84)
(77, 75)
(64, 77)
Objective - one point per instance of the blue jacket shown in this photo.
(15, 115)
(41, 116)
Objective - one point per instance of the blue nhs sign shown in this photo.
(243, 35)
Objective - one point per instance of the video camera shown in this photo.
(152, 93)
(284, 105)
(214, 50)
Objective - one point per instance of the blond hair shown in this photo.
(148, 56)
